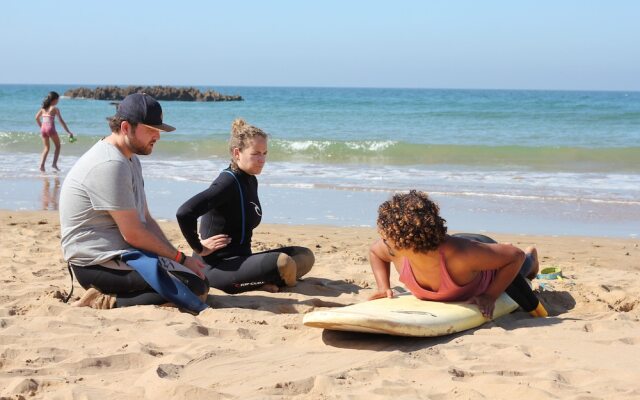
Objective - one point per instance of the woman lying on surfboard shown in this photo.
(440, 267)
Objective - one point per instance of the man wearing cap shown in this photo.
(104, 215)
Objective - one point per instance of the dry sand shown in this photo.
(254, 345)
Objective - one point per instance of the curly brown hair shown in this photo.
(412, 221)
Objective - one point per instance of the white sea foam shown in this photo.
(322, 145)
(303, 145)
(370, 145)
(623, 188)
(292, 185)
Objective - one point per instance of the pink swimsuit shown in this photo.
(48, 127)
(449, 290)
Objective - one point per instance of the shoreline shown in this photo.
(253, 345)
(343, 207)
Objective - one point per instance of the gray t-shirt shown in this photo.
(103, 179)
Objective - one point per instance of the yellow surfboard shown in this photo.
(405, 315)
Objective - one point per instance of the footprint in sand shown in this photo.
(169, 371)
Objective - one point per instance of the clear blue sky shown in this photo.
(544, 44)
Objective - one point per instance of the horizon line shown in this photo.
(323, 87)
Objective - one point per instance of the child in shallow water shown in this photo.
(440, 267)
(45, 118)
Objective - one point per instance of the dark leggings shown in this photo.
(129, 287)
(243, 273)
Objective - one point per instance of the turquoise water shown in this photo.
(575, 150)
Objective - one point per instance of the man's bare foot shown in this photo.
(287, 269)
(534, 258)
(202, 297)
(42, 169)
(269, 287)
(95, 299)
(56, 168)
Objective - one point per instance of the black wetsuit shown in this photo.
(231, 206)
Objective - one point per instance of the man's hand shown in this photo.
(485, 303)
(382, 294)
(214, 243)
(195, 265)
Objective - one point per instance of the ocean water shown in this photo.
(549, 162)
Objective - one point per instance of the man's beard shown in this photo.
(135, 146)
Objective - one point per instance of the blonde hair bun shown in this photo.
(238, 125)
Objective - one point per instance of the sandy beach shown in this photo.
(254, 346)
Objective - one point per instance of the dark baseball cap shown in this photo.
(140, 108)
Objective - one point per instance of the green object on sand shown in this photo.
(550, 273)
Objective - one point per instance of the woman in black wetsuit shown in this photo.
(230, 210)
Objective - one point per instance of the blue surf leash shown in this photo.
(167, 285)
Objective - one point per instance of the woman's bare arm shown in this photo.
(380, 261)
(505, 259)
